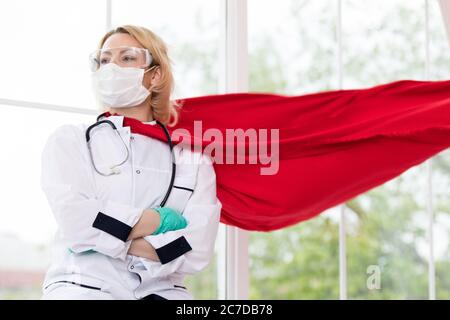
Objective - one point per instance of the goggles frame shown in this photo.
(95, 63)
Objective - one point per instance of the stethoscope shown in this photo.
(114, 168)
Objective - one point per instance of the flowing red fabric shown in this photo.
(333, 145)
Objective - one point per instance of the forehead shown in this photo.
(119, 40)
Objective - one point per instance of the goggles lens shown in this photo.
(128, 57)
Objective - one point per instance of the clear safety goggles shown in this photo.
(128, 57)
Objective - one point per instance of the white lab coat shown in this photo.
(81, 199)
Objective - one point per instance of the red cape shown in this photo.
(333, 145)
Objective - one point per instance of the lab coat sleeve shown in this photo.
(85, 222)
(191, 249)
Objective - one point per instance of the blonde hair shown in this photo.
(164, 109)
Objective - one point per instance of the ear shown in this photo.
(156, 76)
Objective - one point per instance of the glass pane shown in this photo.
(387, 228)
(298, 262)
(45, 48)
(439, 69)
(441, 205)
(27, 224)
(387, 240)
(383, 41)
(192, 37)
(439, 44)
(191, 34)
(293, 51)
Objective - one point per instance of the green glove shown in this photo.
(83, 252)
(170, 220)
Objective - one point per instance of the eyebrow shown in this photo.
(121, 51)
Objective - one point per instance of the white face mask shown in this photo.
(119, 87)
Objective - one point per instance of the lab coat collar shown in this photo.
(118, 120)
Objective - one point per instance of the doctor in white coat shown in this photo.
(114, 240)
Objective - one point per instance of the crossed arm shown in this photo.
(146, 225)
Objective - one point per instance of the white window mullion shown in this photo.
(233, 78)
(431, 263)
(342, 220)
(45, 106)
(342, 254)
(429, 195)
(339, 45)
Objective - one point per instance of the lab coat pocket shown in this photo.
(182, 190)
(54, 285)
(108, 148)
(73, 279)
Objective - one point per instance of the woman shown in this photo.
(114, 239)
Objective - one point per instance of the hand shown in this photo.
(170, 220)
(141, 248)
(147, 224)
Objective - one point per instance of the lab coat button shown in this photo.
(132, 267)
(138, 171)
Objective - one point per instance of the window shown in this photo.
(303, 46)
(45, 45)
(27, 223)
(385, 224)
(296, 49)
(293, 51)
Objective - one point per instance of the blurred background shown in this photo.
(294, 47)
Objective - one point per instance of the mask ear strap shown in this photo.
(150, 69)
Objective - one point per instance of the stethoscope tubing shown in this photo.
(169, 140)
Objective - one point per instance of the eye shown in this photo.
(104, 60)
(129, 59)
